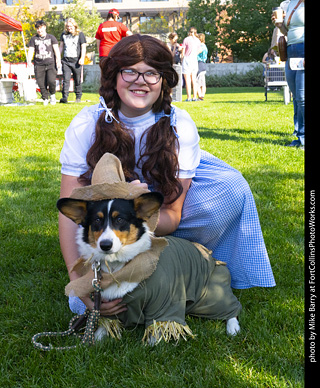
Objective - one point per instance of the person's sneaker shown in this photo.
(78, 100)
(45, 102)
(53, 99)
(63, 101)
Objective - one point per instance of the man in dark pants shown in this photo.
(47, 60)
(73, 46)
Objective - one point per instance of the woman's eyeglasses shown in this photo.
(150, 77)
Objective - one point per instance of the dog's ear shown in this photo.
(75, 209)
(147, 204)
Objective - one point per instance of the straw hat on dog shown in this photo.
(108, 182)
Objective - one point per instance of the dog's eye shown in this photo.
(119, 221)
(97, 222)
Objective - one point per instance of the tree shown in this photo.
(87, 19)
(21, 12)
(248, 31)
(155, 26)
(204, 15)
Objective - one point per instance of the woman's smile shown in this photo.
(137, 97)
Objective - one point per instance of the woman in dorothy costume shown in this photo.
(206, 200)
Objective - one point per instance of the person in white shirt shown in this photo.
(191, 47)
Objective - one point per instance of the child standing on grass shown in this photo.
(206, 200)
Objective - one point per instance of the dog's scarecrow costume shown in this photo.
(175, 276)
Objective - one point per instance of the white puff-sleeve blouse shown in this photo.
(80, 136)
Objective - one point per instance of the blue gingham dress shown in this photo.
(219, 210)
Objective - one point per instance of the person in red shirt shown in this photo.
(110, 32)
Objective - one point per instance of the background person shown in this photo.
(293, 28)
(206, 200)
(47, 60)
(190, 51)
(110, 32)
(202, 59)
(269, 56)
(73, 46)
(175, 48)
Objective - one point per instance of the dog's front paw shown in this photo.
(233, 327)
(100, 333)
(152, 340)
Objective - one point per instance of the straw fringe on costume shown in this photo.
(113, 327)
(166, 331)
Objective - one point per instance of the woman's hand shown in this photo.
(136, 182)
(281, 25)
(107, 308)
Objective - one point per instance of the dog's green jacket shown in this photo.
(184, 283)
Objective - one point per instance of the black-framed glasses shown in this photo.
(150, 77)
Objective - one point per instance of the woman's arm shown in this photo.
(67, 228)
(170, 215)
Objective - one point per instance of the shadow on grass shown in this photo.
(224, 134)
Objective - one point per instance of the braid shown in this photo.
(159, 158)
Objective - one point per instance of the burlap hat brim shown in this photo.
(108, 182)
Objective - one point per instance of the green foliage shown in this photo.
(248, 33)
(55, 23)
(88, 20)
(27, 18)
(204, 16)
(252, 78)
(155, 26)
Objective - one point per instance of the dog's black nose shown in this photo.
(106, 245)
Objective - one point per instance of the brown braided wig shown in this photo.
(158, 160)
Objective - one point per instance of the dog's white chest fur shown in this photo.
(114, 261)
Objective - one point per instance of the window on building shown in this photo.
(108, 1)
(11, 2)
(55, 2)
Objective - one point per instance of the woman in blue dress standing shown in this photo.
(206, 200)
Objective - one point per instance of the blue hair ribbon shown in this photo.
(173, 119)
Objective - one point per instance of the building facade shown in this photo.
(132, 12)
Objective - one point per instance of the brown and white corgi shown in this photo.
(113, 233)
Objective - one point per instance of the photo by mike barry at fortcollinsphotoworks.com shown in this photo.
(310, 286)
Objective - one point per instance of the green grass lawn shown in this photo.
(239, 127)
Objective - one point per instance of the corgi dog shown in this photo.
(113, 232)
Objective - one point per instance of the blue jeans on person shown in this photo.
(295, 79)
